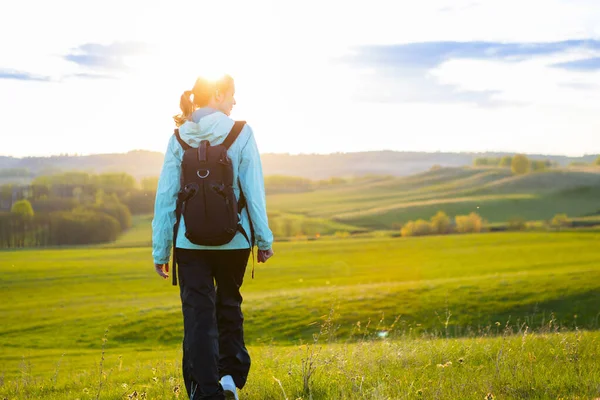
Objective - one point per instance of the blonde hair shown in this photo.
(203, 91)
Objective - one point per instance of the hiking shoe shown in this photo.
(229, 389)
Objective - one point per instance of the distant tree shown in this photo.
(118, 211)
(77, 193)
(22, 207)
(517, 224)
(506, 161)
(440, 223)
(480, 162)
(408, 229)
(472, 223)
(99, 197)
(419, 227)
(520, 164)
(48, 205)
(140, 201)
(560, 221)
(82, 227)
(597, 162)
(540, 165)
(115, 180)
(6, 190)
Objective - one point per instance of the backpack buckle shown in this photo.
(202, 176)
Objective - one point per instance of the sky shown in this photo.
(83, 77)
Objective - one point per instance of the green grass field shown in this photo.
(389, 309)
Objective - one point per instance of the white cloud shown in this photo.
(532, 81)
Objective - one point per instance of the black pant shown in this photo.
(213, 341)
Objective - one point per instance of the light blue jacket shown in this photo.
(211, 125)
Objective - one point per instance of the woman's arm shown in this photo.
(253, 187)
(165, 202)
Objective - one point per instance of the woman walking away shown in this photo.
(210, 207)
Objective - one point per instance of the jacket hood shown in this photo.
(213, 127)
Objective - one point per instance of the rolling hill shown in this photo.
(384, 203)
(494, 193)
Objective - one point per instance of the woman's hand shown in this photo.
(162, 270)
(264, 255)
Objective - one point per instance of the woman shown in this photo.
(215, 359)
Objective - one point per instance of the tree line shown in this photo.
(72, 208)
(519, 164)
(442, 224)
(596, 163)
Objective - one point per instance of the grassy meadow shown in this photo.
(511, 315)
(401, 305)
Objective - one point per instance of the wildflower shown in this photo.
(461, 360)
(420, 392)
(489, 396)
(155, 379)
(125, 386)
(86, 390)
(133, 395)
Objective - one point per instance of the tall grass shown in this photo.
(552, 363)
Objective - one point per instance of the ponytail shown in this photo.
(203, 91)
(187, 108)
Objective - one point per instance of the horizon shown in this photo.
(499, 152)
(450, 72)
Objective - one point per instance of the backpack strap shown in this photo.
(231, 137)
(233, 134)
(178, 211)
(183, 195)
(183, 144)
